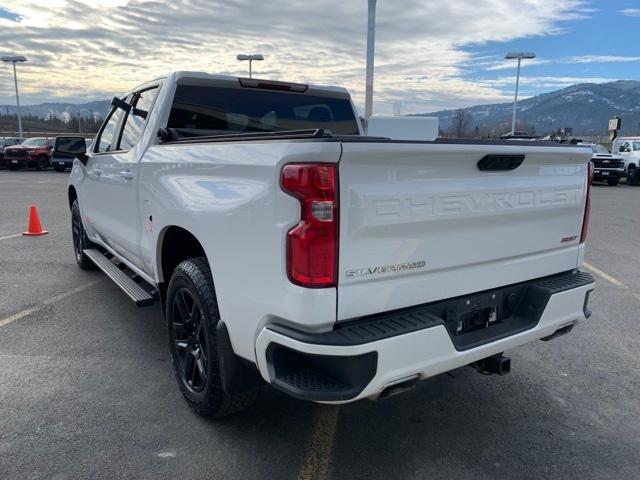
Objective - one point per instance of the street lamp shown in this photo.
(519, 56)
(80, 118)
(14, 59)
(256, 56)
(371, 40)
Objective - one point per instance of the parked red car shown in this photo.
(33, 152)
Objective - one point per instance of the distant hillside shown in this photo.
(585, 107)
(64, 111)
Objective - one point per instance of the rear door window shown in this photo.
(108, 136)
(217, 110)
(137, 118)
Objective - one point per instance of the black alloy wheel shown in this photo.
(190, 341)
(80, 240)
(192, 315)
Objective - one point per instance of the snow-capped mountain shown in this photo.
(585, 107)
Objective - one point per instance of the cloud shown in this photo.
(630, 12)
(599, 59)
(80, 49)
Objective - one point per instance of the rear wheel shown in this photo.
(42, 163)
(80, 240)
(192, 316)
(613, 182)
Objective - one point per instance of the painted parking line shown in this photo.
(318, 453)
(604, 275)
(11, 236)
(48, 301)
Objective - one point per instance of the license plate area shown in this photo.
(473, 313)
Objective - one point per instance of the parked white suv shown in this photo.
(287, 248)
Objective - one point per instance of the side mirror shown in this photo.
(74, 146)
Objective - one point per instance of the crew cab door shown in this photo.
(113, 170)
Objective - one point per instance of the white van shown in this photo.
(629, 148)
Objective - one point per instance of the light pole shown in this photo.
(14, 59)
(80, 118)
(371, 40)
(519, 56)
(255, 56)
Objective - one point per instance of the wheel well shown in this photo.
(177, 245)
(72, 195)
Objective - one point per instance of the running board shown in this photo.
(117, 273)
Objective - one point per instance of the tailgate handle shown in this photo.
(499, 162)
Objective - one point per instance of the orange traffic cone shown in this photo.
(35, 227)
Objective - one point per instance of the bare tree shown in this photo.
(461, 123)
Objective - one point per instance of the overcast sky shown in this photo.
(430, 54)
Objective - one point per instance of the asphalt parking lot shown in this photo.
(87, 389)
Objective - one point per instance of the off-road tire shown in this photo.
(80, 240)
(194, 341)
(632, 177)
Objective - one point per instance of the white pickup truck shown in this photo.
(287, 247)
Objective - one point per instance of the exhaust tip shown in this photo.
(400, 386)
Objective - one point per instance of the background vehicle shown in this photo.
(629, 149)
(607, 167)
(31, 153)
(7, 142)
(61, 161)
(333, 266)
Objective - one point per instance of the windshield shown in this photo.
(599, 149)
(216, 110)
(35, 142)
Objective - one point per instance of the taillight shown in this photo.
(587, 205)
(312, 245)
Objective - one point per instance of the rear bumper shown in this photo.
(20, 162)
(607, 173)
(361, 359)
(61, 162)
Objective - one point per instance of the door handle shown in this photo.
(126, 174)
(97, 172)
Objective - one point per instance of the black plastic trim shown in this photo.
(296, 136)
(499, 162)
(520, 304)
(237, 374)
(320, 377)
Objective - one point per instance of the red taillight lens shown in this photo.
(587, 205)
(312, 245)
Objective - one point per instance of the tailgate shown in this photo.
(421, 222)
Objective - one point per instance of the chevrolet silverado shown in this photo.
(286, 246)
